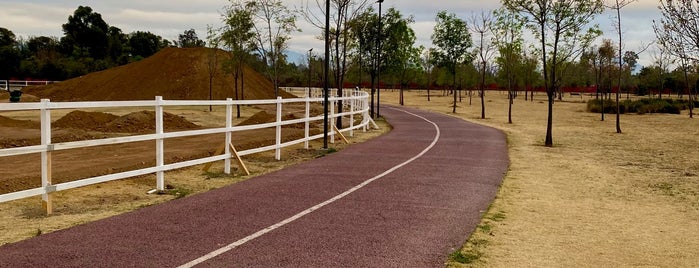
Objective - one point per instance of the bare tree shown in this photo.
(680, 33)
(427, 66)
(274, 23)
(617, 5)
(482, 25)
(564, 20)
(344, 12)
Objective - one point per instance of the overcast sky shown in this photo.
(168, 18)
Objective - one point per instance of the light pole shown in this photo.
(326, 74)
(310, 60)
(378, 68)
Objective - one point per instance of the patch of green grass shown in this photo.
(177, 192)
(485, 227)
(465, 257)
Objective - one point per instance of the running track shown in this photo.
(405, 199)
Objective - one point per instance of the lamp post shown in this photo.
(326, 74)
(310, 60)
(378, 67)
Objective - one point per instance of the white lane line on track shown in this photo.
(259, 233)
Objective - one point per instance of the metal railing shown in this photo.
(357, 101)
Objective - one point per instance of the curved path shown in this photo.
(405, 199)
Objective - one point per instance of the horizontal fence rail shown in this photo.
(18, 84)
(356, 102)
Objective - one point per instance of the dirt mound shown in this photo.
(144, 121)
(85, 120)
(136, 122)
(9, 122)
(265, 117)
(174, 73)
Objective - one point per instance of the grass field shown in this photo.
(596, 199)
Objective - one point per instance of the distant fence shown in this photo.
(357, 103)
(19, 84)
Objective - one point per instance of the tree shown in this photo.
(239, 37)
(482, 24)
(507, 31)
(606, 56)
(273, 24)
(427, 66)
(144, 44)
(557, 25)
(85, 34)
(617, 6)
(630, 59)
(9, 54)
(344, 13)
(452, 41)
(190, 39)
(401, 56)
(680, 33)
(365, 29)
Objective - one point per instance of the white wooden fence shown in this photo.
(356, 101)
(18, 84)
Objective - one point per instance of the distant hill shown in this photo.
(174, 73)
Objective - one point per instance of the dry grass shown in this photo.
(597, 198)
(25, 218)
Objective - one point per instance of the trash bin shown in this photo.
(14, 95)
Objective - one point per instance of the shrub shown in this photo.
(641, 106)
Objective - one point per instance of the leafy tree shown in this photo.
(117, 46)
(238, 36)
(273, 24)
(452, 41)
(85, 34)
(557, 25)
(365, 29)
(144, 44)
(190, 39)
(401, 56)
(10, 56)
(507, 30)
(427, 65)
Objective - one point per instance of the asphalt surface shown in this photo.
(405, 199)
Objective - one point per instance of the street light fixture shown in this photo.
(326, 86)
(378, 67)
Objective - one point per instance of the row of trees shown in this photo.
(89, 44)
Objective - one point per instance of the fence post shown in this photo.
(278, 150)
(159, 144)
(46, 174)
(229, 125)
(307, 125)
(332, 120)
(353, 95)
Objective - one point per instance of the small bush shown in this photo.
(642, 106)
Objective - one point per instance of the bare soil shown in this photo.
(596, 199)
(172, 73)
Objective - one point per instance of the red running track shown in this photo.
(405, 199)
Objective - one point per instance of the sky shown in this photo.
(169, 18)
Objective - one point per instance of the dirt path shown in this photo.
(406, 199)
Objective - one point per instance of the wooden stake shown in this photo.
(218, 152)
(238, 159)
(340, 133)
